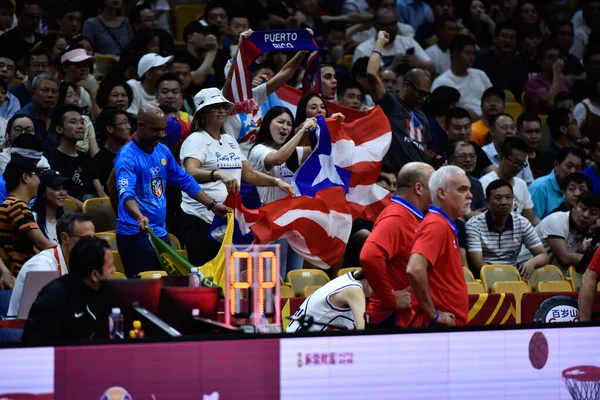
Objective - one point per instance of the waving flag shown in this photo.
(349, 156)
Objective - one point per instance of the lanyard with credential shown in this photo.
(58, 262)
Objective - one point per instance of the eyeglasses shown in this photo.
(219, 107)
(422, 93)
(518, 164)
(19, 130)
(572, 122)
(465, 157)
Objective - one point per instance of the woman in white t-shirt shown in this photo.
(48, 206)
(214, 159)
(273, 147)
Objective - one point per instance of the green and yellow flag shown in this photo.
(212, 274)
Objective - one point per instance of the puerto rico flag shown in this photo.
(349, 156)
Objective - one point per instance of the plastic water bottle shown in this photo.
(195, 312)
(116, 324)
(194, 278)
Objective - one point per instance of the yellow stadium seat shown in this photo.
(184, 14)
(575, 279)
(554, 286)
(174, 242)
(286, 292)
(509, 97)
(306, 277)
(348, 61)
(110, 237)
(344, 271)
(118, 263)
(119, 275)
(546, 273)
(468, 275)
(476, 288)
(183, 253)
(103, 215)
(308, 290)
(70, 206)
(156, 274)
(493, 273)
(517, 289)
(513, 109)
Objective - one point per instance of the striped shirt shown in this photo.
(16, 219)
(500, 247)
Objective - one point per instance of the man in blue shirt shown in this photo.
(414, 12)
(44, 98)
(11, 104)
(547, 191)
(143, 167)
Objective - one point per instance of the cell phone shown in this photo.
(410, 51)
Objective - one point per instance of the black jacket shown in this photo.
(64, 310)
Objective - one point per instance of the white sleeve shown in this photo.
(527, 201)
(579, 113)
(419, 52)
(15, 297)
(193, 147)
(358, 53)
(555, 227)
(257, 156)
(485, 80)
(259, 94)
(133, 108)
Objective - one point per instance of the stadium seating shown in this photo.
(509, 97)
(156, 274)
(70, 206)
(308, 290)
(301, 278)
(493, 273)
(110, 237)
(513, 109)
(517, 289)
(184, 14)
(546, 273)
(346, 270)
(175, 242)
(117, 261)
(554, 286)
(476, 288)
(468, 275)
(119, 275)
(103, 215)
(183, 253)
(575, 279)
(286, 292)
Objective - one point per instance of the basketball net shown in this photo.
(583, 383)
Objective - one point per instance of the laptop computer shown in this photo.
(34, 283)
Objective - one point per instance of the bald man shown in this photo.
(410, 130)
(142, 168)
(385, 254)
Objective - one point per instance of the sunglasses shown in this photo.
(422, 93)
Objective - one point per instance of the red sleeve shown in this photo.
(594, 265)
(376, 255)
(427, 241)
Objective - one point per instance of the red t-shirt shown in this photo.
(384, 257)
(594, 265)
(437, 242)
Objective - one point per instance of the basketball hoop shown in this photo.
(583, 382)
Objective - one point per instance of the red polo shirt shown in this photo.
(384, 257)
(594, 265)
(436, 240)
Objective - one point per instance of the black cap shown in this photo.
(30, 142)
(17, 167)
(53, 178)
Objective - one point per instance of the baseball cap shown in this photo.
(172, 132)
(18, 166)
(210, 96)
(53, 178)
(75, 56)
(151, 60)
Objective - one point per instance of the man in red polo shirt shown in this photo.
(435, 270)
(587, 292)
(386, 251)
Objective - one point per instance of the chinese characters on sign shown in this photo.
(331, 358)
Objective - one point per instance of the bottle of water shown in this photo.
(116, 324)
(195, 312)
(194, 278)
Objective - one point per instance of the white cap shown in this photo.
(151, 60)
(194, 270)
(210, 96)
(116, 310)
(75, 56)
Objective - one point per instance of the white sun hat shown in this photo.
(210, 96)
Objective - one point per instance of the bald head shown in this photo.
(418, 76)
(152, 123)
(413, 173)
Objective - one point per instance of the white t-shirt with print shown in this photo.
(140, 97)
(224, 155)
(522, 196)
(256, 158)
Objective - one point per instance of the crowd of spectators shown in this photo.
(100, 93)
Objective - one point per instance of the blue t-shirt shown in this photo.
(591, 173)
(143, 177)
